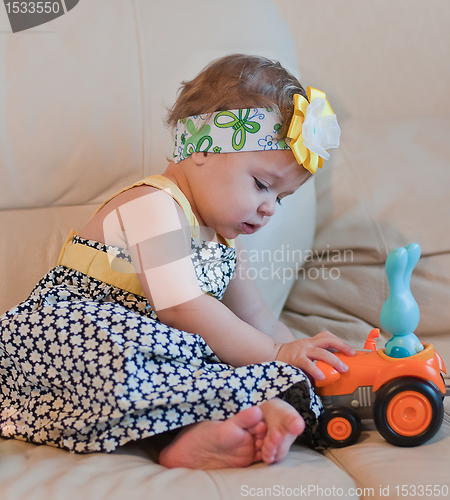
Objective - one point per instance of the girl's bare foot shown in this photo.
(284, 425)
(257, 433)
(214, 444)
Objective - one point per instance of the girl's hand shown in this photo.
(303, 352)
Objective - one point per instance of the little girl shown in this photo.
(141, 331)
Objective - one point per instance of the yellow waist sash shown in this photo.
(100, 265)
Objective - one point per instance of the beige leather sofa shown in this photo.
(81, 107)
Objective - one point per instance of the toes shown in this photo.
(259, 431)
(284, 424)
(249, 418)
(295, 425)
(278, 441)
(268, 457)
(259, 443)
(271, 445)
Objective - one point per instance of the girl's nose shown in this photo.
(267, 208)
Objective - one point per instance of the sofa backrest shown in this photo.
(83, 99)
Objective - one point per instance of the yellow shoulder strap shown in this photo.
(166, 185)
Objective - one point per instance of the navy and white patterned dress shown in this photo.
(87, 366)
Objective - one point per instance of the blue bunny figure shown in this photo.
(400, 313)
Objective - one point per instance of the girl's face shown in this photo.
(237, 193)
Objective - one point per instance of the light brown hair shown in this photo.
(238, 81)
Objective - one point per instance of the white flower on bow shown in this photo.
(320, 132)
(313, 129)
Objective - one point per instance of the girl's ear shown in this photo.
(199, 158)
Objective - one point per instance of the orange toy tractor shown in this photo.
(400, 387)
(404, 396)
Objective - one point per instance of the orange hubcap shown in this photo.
(409, 413)
(339, 428)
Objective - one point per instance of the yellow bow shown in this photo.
(311, 161)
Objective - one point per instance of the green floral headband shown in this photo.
(312, 131)
(227, 132)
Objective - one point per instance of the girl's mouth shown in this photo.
(250, 228)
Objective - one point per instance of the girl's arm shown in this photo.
(244, 299)
(157, 234)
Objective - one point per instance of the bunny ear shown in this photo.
(413, 250)
(395, 269)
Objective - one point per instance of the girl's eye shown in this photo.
(260, 185)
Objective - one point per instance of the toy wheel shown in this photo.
(408, 411)
(340, 427)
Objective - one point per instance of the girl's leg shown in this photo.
(257, 433)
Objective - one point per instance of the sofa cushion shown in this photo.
(30, 246)
(45, 473)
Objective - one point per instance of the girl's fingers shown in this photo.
(306, 362)
(311, 369)
(330, 358)
(302, 353)
(325, 340)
